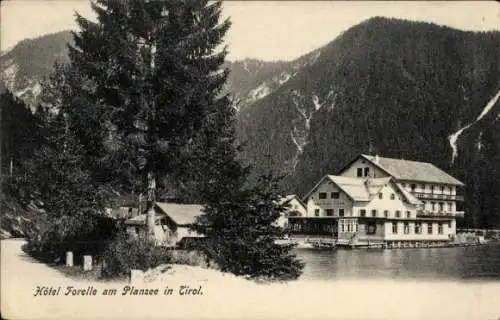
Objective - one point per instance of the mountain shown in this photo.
(391, 87)
(23, 68)
(397, 88)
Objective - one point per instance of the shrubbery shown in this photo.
(47, 241)
(126, 253)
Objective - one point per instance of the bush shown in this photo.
(48, 238)
(190, 258)
(126, 253)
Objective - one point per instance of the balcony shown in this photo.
(459, 214)
(439, 214)
(425, 195)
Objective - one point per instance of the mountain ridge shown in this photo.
(394, 87)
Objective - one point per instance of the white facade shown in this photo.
(328, 200)
(399, 210)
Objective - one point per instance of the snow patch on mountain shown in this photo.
(314, 57)
(9, 73)
(316, 103)
(260, 92)
(245, 66)
(479, 144)
(284, 77)
(302, 125)
(454, 137)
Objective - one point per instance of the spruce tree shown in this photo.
(72, 204)
(154, 86)
(150, 69)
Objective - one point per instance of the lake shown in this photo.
(456, 263)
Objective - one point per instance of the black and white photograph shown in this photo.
(195, 159)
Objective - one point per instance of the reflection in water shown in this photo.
(482, 262)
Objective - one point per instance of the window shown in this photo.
(398, 214)
(322, 195)
(408, 214)
(335, 195)
(393, 196)
(360, 172)
(450, 207)
(442, 189)
(432, 189)
(433, 205)
(423, 204)
(418, 227)
(413, 186)
(449, 224)
(316, 212)
(367, 171)
(341, 212)
(380, 195)
(440, 228)
(329, 212)
(362, 212)
(371, 228)
(441, 207)
(394, 227)
(342, 226)
(406, 229)
(429, 228)
(386, 213)
(374, 213)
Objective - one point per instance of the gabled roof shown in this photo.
(409, 197)
(289, 198)
(181, 214)
(355, 188)
(411, 170)
(363, 189)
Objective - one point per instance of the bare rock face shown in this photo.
(24, 67)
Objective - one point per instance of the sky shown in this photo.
(265, 30)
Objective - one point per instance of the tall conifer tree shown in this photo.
(153, 85)
(151, 70)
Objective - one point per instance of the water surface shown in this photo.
(458, 263)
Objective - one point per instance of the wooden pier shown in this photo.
(330, 243)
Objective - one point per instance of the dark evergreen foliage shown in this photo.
(239, 225)
(21, 131)
(392, 87)
(152, 101)
(71, 206)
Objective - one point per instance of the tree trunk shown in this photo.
(151, 201)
